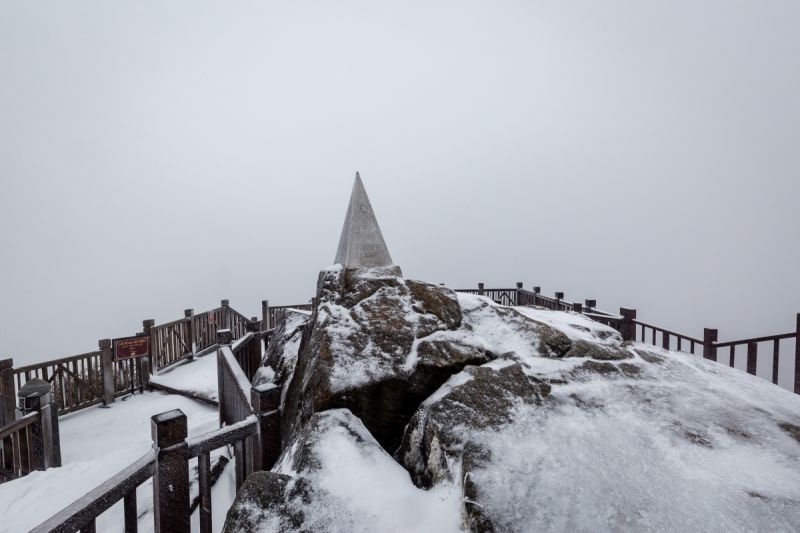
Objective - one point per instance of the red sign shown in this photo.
(128, 347)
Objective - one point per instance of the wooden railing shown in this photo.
(87, 379)
(178, 340)
(168, 465)
(20, 451)
(636, 330)
(249, 422)
(270, 315)
(30, 442)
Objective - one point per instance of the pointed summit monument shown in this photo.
(361, 244)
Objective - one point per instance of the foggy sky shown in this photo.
(157, 156)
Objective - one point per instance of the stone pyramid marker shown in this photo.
(361, 243)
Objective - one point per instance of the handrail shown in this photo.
(778, 337)
(62, 360)
(664, 330)
(92, 504)
(18, 424)
(220, 437)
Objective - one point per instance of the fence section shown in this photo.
(250, 423)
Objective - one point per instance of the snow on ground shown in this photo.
(364, 489)
(691, 445)
(96, 443)
(198, 377)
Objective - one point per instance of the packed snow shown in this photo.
(197, 378)
(364, 490)
(96, 443)
(689, 446)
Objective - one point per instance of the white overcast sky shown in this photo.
(156, 156)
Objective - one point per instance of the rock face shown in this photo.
(281, 353)
(478, 398)
(371, 348)
(410, 408)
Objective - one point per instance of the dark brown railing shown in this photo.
(249, 422)
(87, 379)
(19, 453)
(270, 315)
(78, 380)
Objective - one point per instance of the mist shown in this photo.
(162, 156)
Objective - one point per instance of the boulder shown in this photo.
(478, 398)
(372, 347)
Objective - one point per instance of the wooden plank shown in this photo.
(204, 471)
(131, 518)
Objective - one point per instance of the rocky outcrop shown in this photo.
(478, 398)
(371, 348)
(283, 346)
(410, 408)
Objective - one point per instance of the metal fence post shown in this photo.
(590, 304)
(559, 297)
(107, 363)
(266, 399)
(8, 397)
(171, 474)
(710, 336)
(480, 289)
(519, 290)
(627, 325)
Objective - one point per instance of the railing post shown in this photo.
(627, 325)
(559, 297)
(265, 325)
(45, 450)
(171, 474)
(107, 364)
(536, 291)
(51, 437)
(226, 314)
(752, 357)
(480, 289)
(147, 362)
(577, 307)
(710, 336)
(797, 357)
(8, 397)
(189, 314)
(590, 305)
(266, 399)
(519, 289)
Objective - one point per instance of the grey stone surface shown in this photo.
(361, 243)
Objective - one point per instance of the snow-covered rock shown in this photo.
(333, 477)
(282, 349)
(366, 350)
(461, 413)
